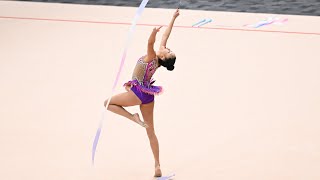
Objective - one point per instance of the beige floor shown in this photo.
(240, 105)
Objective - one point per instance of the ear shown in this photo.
(160, 55)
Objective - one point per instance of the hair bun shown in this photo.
(170, 68)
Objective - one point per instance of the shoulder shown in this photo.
(150, 57)
(142, 59)
(145, 59)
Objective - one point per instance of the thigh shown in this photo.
(125, 99)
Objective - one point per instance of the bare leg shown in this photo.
(147, 113)
(125, 99)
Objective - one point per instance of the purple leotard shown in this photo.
(141, 83)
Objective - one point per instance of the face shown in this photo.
(167, 53)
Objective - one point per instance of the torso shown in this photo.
(144, 71)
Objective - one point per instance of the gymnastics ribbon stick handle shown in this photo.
(179, 4)
(203, 20)
(129, 37)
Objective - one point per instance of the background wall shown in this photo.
(301, 7)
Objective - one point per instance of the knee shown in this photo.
(151, 134)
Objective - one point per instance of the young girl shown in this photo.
(141, 91)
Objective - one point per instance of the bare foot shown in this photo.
(136, 118)
(157, 171)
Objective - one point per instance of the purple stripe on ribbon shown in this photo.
(95, 143)
(129, 37)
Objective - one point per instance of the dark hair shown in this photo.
(168, 63)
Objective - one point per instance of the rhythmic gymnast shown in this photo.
(141, 91)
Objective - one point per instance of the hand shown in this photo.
(176, 13)
(157, 29)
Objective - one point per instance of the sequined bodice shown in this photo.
(143, 71)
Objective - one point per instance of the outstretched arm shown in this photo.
(168, 30)
(150, 52)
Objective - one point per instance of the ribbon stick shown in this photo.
(124, 54)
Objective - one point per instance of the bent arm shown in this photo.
(151, 54)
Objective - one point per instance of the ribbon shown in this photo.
(124, 54)
(166, 177)
(269, 21)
